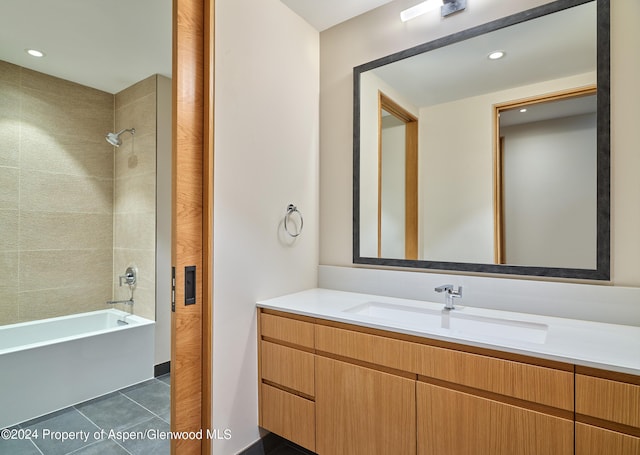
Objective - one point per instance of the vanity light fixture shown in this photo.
(34, 52)
(448, 7)
(496, 55)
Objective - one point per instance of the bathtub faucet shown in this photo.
(115, 302)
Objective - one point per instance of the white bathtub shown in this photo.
(50, 364)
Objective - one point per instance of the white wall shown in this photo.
(370, 87)
(163, 221)
(393, 213)
(456, 171)
(266, 156)
(380, 32)
(550, 192)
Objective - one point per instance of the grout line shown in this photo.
(36, 446)
(145, 408)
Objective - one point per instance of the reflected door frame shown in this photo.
(192, 204)
(385, 103)
(498, 158)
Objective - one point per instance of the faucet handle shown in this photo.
(457, 293)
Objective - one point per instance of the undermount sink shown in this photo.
(455, 321)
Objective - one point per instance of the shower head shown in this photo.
(114, 138)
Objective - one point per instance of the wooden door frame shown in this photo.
(411, 174)
(192, 220)
(499, 251)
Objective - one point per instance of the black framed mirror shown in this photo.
(485, 126)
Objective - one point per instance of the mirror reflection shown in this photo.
(476, 202)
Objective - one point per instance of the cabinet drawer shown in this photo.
(452, 422)
(505, 377)
(289, 416)
(287, 330)
(374, 349)
(288, 367)
(609, 400)
(597, 441)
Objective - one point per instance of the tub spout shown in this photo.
(115, 302)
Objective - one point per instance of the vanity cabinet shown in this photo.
(607, 412)
(338, 388)
(287, 378)
(363, 411)
(451, 422)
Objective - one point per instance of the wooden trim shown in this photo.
(284, 314)
(380, 108)
(605, 374)
(259, 343)
(284, 389)
(288, 344)
(608, 425)
(498, 158)
(587, 90)
(525, 404)
(411, 174)
(451, 345)
(207, 225)
(411, 193)
(192, 169)
(369, 365)
(498, 200)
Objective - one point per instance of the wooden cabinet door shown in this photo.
(591, 440)
(457, 423)
(363, 411)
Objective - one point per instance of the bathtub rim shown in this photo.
(139, 322)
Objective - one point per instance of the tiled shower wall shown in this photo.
(63, 229)
(56, 196)
(135, 193)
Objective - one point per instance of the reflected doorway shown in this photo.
(397, 180)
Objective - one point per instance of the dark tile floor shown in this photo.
(130, 421)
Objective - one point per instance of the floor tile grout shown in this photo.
(147, 413)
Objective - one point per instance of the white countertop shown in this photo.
(593, 344)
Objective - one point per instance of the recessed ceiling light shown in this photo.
(496, 55)
(523, 110)
(34, 52)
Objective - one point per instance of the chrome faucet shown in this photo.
(449, 294)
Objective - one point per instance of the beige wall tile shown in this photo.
(140, 115)
(139, 160)
(44, 83)
(8, 232)
(135, 231)
(41, 191)
(10, 72)
(61, 231)
(49, 303)
(9, 182)
(135, 194)
(9, 264)
(65, 115)
(42, 151)
(9, 123)
(40, 270)
(9, 311)
(135, 92)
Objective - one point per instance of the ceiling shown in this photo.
(324, 14)
(567, 47)
(108, 45)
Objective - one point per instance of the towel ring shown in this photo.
(291, 209)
